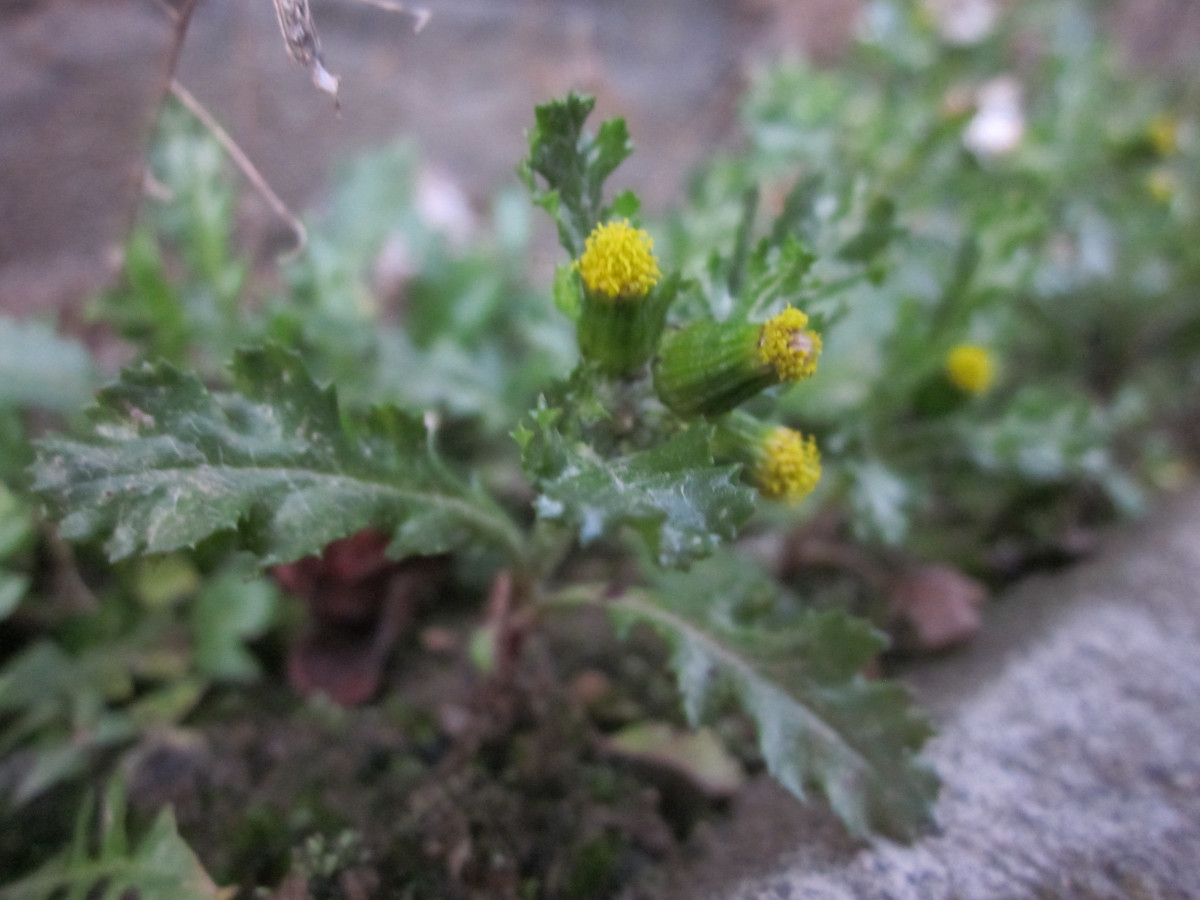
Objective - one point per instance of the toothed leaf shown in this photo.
(574, 165)
(798, 676)
(167, 463)
(680, 503)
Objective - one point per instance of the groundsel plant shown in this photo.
(651, 456)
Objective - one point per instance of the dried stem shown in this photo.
(420, 14)
(155, 189)
(500, 618)
(247, 168)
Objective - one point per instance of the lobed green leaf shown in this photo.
(673, 496)
(167, 463)
(820, 721)
(574, 165)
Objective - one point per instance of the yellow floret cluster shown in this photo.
(789, 465)
(786, 346)
(969, 368)
(618, 261)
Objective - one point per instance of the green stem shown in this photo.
(547, 546)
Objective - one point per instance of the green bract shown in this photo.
(710, 367)
(622, 336)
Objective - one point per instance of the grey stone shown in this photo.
(1069, 747)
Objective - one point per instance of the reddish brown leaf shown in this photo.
(360, 603)
(936, 607)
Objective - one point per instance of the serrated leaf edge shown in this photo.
(696, 677)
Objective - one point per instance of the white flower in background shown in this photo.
(999, 121)
(443, 206)
(963, 22)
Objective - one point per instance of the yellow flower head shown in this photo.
(788, 465)
(1163, 132)
(618, 261)
(969, 368)
(787, 347)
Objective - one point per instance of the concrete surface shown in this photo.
(81, 81)
(80, 86)
(1069, 750)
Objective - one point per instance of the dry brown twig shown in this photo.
(245, 166)
(304, 46)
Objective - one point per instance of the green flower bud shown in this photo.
(708, 368)
(781, 462)
(622, 315)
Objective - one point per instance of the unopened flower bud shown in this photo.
(708, 368)
(621, 316)
(781, 462)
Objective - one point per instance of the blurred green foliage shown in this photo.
(1046, 203)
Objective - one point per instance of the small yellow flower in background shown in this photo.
(1161, 185)
(969, 368)
(788, 347)
(788, 465)
(1163, 132)
(618, 261)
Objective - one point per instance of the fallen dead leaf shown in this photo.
(935, 607)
